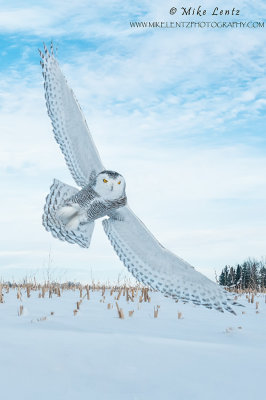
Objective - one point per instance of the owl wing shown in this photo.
(155, 266)
(69, 125)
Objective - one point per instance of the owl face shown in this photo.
(110, 185)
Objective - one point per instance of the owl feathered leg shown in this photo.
(63, 220)
(66, 213)
(71, 216)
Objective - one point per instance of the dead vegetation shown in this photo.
(250, 295)
(132, 294)
(106, 293)
(250, 292)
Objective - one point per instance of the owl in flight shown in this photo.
(70, 213)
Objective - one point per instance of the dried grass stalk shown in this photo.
(120, 311)
(88, 292)
(1, 294)
(119, 294)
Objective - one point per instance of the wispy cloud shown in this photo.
(182, 112)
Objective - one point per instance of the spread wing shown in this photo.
(69, 125)
(157, 267)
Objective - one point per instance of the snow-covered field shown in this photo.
(203, 354)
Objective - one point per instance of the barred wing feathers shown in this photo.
(59, 194)
(155, 266)
(69, 125)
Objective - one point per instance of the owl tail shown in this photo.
(72, 233)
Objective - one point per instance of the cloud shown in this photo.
(65, 18)
(106, 19)
(180, 114)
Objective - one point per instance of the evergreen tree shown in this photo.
(254, 279)
(222, 278)
(226, 273)
(238, 276)
(262, 278)
(231, 277)
(251, 274)
(246, 275)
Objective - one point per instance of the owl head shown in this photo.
(110, 185)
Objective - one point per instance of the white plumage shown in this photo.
(69, 214)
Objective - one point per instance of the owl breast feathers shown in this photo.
(93, 205)
(102, 196)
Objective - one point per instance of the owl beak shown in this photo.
(112, 187)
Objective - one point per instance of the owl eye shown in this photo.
(119, 182)
(105, 180)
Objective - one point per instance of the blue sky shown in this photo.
(181, 113)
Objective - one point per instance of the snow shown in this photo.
(94, 354)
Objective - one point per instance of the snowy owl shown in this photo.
(70, 214)
(101, 197)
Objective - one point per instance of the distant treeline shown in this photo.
(251, 274)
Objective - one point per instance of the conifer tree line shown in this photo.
(251, 274)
